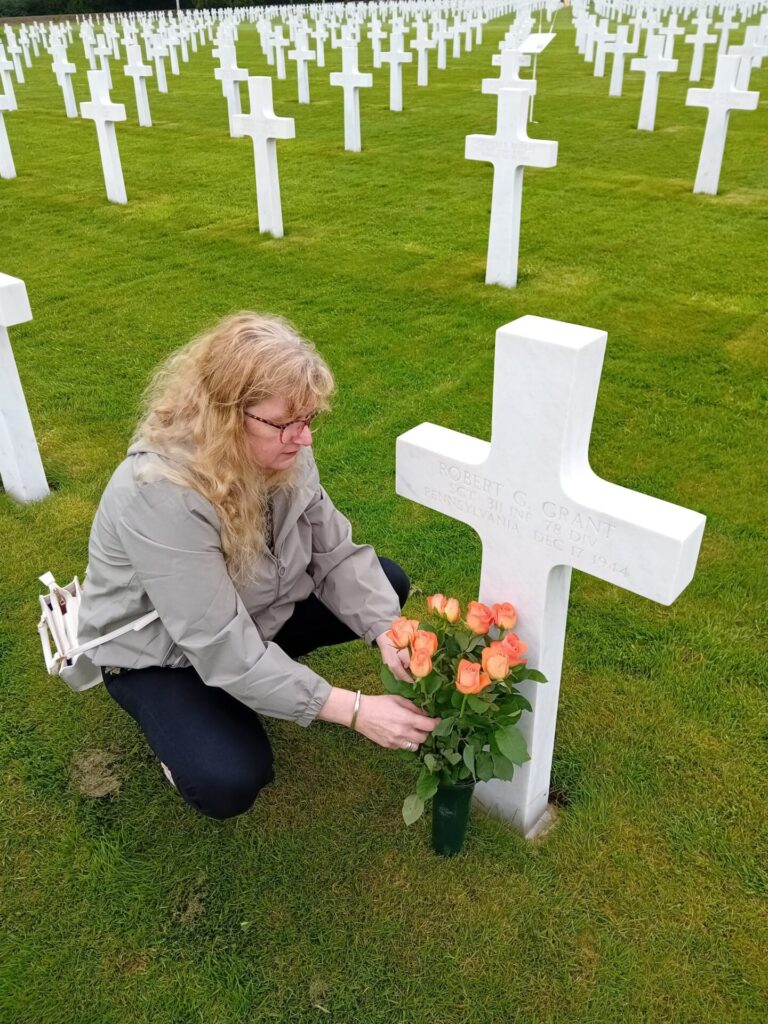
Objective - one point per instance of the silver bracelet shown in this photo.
(357, 708)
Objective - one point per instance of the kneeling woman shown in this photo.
(218, 520)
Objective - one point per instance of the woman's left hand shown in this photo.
(396, 661)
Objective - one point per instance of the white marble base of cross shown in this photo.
(265, 128)
(64, 69)
(721, 99)
(21, 468)
(509, 150)
(396, 57)
(105, 113)
(653, 64)
(351, 81)
(540, 511)
(138, 71)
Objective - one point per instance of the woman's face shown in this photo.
(264, 443)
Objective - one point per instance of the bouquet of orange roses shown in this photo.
(465, 672)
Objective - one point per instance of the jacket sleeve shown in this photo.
(171, 535)
(348, 577)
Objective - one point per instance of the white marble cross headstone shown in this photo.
(158, 51)
(21, 468)
(351, 81)
(699, 40)
(302, 55)
(422, 44)
(509, 150)
(654, 63)
(230, 76)
(264, 128)
(279, 45)
(509, 63)
(540, 510)
(7, 166)
(138, 71)
(396, 56)
(105, 113)
(721, 99)
(64, 69)
(620, 47)
(376, 33)
(6, 81)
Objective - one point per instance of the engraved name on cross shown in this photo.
(540, 510)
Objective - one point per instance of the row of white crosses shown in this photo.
(730, 90)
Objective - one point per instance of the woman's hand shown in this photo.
(393, 721)
(396, 661)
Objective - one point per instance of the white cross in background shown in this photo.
(396, 57)
(721, 99)
(105, 113)
(280, 44)
(230, 76)
(699, 40)
(540, 510)
(7, 166)
(8, 95)
(620, 47)
(509, 150)
(654, 63)
(64, 69)
(21, 468)
(302, 55)
(351, 81)
(138, 72)
(264, 128)
(422, 44)
(509, 63)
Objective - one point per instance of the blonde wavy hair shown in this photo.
(193, 412)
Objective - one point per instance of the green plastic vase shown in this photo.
(450, 813)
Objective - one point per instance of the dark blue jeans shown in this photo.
(214, 745)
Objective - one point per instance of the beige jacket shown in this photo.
(157, 545)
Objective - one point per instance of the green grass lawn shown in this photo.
(647, 901)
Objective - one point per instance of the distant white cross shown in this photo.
(351, 81)
(7, 166)
(720, 100)
(264, 128)
(105, 113)
(653, 64)
(139, 71)
(376, 33)
(509, 150)
(422, 44)
(280, 44)
(620, 47)
(21, 468)
(230, 76)
(64, 69)
(509, 63)
(302, 55)
(699, 40)
(540, 510)
(6, 81)
(396, 57)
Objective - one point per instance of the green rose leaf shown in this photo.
(444, 729)
(426, 785)
(392, 685)
(511, 744)
(534, 674)
(502, 768)
(413, 808)
(469, 757)
(484, 766)
(477, 704)
(452, 756)
(431, 762)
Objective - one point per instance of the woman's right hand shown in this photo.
(392, 721)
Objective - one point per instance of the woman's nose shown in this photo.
(305, 437)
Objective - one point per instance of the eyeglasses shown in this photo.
(297, 425)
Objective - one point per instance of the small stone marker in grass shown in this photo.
(540, 511)
(265, 128)
(105, 113)
(509, 150)
(724, 96)
(21, 468)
